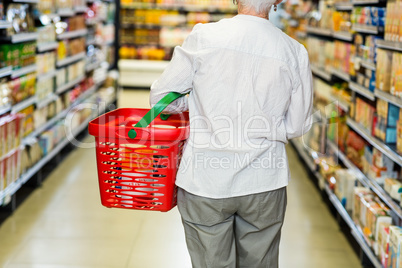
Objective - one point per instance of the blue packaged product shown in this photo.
(393, 115)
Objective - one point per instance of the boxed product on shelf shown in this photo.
(10, 168)
(51, 137)
(171, 37)
(364, 114)
(75, 70)
(387, 118)
(22, 87)
(393, 187)
(383, 70)
(383, 244)
(44, 88)
(61, 77)
(10, 133)
(399, 133)
(343, 56)
(17, 55)
(396, 74)
(357, 213)
(31, 154)
(355, 148)
(395, 244)
(20, 18)
(64, 4)
(45, 62)
(381, 167)
(28, 120)
(47, 34)
(393, 28)
(341, 21)
(374, 16)
(344, 187)
(5, 94)
(321, 52)
(46, 6)
(70, 47)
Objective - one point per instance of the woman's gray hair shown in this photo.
(257, 5)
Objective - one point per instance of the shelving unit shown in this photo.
(375, 142)
(23, 71)
(388, 97)
(7, 194)
(72, 34)
(6, 71)
(70, 84)
(397, 46)
(70, 59)
(355, 231)
(47, 46)
(362, 90)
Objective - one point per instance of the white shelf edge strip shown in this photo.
(24, 37)
(47, 46)
(24, 70)
(47, 75)
(70, 84)
(321, 73)
(6, 71)
(13, 187)
(366, 181)
(72, 34)
(70, 59)
(375, 142)
(388, 97)
(362, 90)
(23, 104)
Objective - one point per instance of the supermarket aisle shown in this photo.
(63, 225)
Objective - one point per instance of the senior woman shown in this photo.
(249, 91)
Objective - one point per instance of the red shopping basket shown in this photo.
(138, 153)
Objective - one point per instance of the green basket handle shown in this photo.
(155, 111)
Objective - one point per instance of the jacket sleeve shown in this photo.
(178, 75)
(298, 119)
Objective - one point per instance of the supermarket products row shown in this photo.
(354, 149)
(150, 30)
(54, 57)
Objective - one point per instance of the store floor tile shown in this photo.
(63, 225)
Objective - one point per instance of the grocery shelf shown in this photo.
(345, 36)
(353, 228)
(47, 75)
(80, 9)
(340, 74)
(47, 46)
(362, 90)
(375, 142)
(70, 59)
(72, 34)
(5, 109)
(23, 71)
(26, 1)
(340, 103)
(23, 104)
(68, 85)
(92, 66)
(321, 73)
(389, 45)
(362, 28)
(388, 97)
(50, 98)
(344, 6)
(13, 187)
(365, 2)
(365, 181)
(6, 71)
(91, 41)
(368, 64)
(5, 24)
(189, 8)
(319, 31)
(66, 12)
(19, 38)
